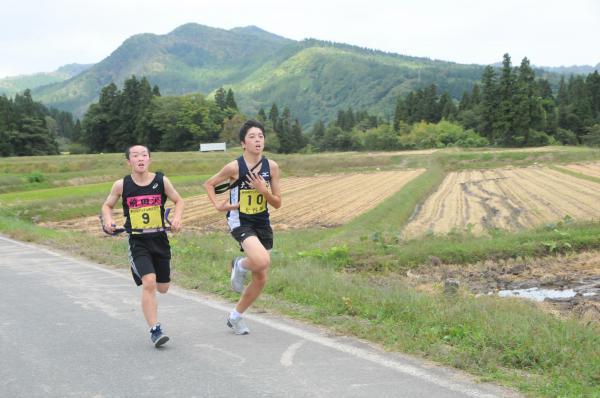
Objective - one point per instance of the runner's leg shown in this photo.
(149, 304)
(257, 261)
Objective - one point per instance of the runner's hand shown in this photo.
(257, 182)
(176, 224)
(226, 206)
(110, 226)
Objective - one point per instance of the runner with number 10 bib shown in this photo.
(253, 183)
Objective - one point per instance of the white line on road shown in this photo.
(287, 358)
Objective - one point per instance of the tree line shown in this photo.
(30, 128)
(512, 108)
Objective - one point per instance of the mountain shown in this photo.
(313, 78)
(15, 84)
(192, 58)
(572, 70)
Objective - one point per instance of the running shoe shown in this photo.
(238, 325)
(157, 336)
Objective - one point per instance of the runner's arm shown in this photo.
(108, 205)
(174, 196)
(227, 173)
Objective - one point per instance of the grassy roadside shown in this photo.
(506, 341)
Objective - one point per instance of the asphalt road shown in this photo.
(72, 328)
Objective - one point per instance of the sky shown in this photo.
(40, 36)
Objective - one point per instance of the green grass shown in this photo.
(576, 174)
(350, 278)
(482, 159)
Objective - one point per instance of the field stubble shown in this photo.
(309, 202)
(509, 199)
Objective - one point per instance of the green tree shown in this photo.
(447, 107)
(261, 116)
(230, 101)
(220, 98)
(504, 125)
(489, 103)
(274, 117)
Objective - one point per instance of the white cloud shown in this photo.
(41, 36)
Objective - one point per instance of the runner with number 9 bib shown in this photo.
(144, 195)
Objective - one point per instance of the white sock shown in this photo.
(234, 314)
(240, 264)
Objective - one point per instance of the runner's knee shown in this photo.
(149, 282)
(162, 287)
(261, 263)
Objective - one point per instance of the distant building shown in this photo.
(215, 146)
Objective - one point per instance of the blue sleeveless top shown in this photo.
(253, 210)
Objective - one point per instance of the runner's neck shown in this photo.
(142, 179)
(252, 159)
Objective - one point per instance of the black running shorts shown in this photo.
(150, 255)
(264, 235)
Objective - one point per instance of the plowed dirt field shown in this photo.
(590, 169)
(308, 202)
(509, 199)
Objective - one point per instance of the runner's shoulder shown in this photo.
(231, 167)
(118, 186)
(273, 165)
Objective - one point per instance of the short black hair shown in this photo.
(248, 125)
(129, 150)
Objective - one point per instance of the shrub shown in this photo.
(36, 176)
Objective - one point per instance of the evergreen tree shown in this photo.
(284, 131)
(317, 134)
(77, 132)
(489, 103)
(430, 105)
(504, 124)
(400, 113)
(523, 102)
(475, 95)
(297, 137)
(465, 102)
(6, 114)
(261, 116)
(230, 101)
(580, 108)
(447, 107)
(33, 138)
(544, 89)
(592, 82)
(220, 98)
(274, 117)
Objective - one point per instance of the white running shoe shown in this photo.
(238, 325)
(238, 275)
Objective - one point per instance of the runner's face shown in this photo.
(254, 141)
(139, 159)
